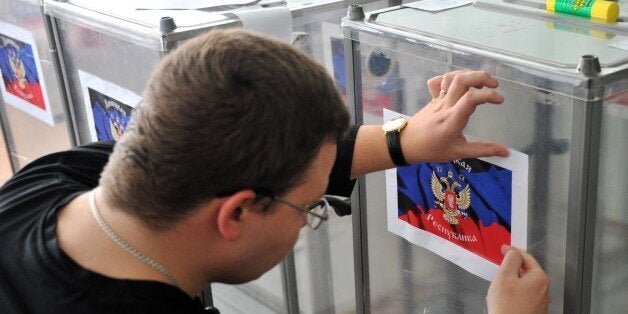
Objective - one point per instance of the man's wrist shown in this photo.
(392, 130)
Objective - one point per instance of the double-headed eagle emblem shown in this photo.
(447, 199)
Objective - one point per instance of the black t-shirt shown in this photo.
(36, 276)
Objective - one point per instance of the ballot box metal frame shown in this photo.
(582, 79)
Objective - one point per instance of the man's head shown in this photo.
(228, 111)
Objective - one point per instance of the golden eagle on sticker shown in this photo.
(451, 202)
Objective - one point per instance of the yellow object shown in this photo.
(607, 11)
(580, 30)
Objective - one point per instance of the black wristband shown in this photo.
(394, 149)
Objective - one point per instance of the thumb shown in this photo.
(529, 262)
(511, 264)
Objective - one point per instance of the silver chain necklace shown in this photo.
(147, 260)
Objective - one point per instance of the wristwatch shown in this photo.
(392, 128)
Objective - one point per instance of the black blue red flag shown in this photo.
(467, 202)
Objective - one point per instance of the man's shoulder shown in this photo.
(79, 167)
(28, 202)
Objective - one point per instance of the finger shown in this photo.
(463, 81)
(433, 85)
(477, 97)
(448, 78)
(484, 149)
(529, 262)
(511, 264)
(464, 108)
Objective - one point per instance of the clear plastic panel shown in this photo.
(610, 274)
(535, 37)
(264, 295)
(324, 257)
(30, 137)
(325, 270)
(126, 10)
(5, 163)
(407, 278)
(114, 60)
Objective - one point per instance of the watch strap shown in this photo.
(394, 148)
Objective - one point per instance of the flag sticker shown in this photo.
(110, 116)
(108, 107)
(22, 83)
(464, 210)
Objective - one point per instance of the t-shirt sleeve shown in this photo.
(340, 182)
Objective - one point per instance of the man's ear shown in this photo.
(231, 213)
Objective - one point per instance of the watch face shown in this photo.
(394, 124)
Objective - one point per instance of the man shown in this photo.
(211, 182)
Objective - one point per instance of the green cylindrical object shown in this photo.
(597, 9)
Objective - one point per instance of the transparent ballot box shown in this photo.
(109, 50)
(33, 108)
(565, 81)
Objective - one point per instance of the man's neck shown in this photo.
(83, 239)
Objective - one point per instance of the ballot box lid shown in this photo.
(517, 29)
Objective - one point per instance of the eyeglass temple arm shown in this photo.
(340, 204)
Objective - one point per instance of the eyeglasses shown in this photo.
(317, 212)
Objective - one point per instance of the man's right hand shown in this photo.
(520, 286)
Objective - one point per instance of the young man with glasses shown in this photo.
(237, 140)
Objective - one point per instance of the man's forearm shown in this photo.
(370, 153)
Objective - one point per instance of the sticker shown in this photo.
(462, 210)
(22, 82)
(108, 107)
(275, 22)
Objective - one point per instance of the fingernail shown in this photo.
(493, 81)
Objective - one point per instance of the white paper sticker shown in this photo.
(22, 82)
(108, 107)
(462, 210)
(275, 22)
(437, 5)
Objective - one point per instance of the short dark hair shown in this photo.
(229, 110)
